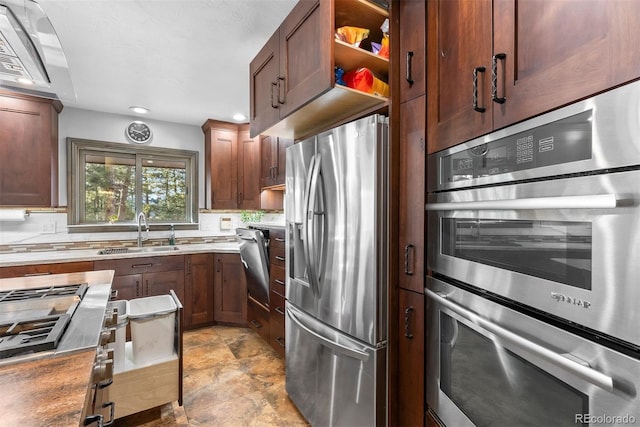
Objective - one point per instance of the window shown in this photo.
(110, 183)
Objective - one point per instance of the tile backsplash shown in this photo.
(40, 231)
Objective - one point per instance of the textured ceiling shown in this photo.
(186, 60)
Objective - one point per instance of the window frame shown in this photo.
(77, 149)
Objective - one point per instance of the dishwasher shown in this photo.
(255, 259)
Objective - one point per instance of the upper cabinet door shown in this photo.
(248, 170)
(222, 168)
(264, 70)
(281, 160)
(459, 77)
(413, 49)
(557, 52)
(305, 53)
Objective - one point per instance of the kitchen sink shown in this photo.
(126, 250)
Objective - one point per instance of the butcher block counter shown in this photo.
(52, 389)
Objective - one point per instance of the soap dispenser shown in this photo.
(172, 236)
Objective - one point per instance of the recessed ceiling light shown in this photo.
(139, 110)
(24, 80)
(239, 117)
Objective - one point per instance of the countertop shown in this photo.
(48, 391)
(52, 257)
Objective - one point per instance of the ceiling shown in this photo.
(185, 60)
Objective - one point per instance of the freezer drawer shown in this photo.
(333, 379)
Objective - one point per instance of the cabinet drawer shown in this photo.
(276, 277)
(141, 265)
(276, 238)
(42, 269)
(276, 323)
(258, 318)
(276, 256)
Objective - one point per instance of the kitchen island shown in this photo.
(54, 387)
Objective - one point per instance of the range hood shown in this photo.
(31, 57)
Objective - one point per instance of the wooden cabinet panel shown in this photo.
(28, 151)
(198, 290)
(305, 37)
(128, 287)
(221, 165)
(43, 269)
(540, 60)
(276, 256)
(263, 73)
(459, 41)
(277, 279)
(412, 191)
(552, 61)
(141, 265)
(413, 43)
(258, 318)
(411, 353)
(277, 331)
(162, 282)
(274, 155)
(248, 170)
(230, 290)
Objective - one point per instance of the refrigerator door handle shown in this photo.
(340, 348)
(310, 243)
(305, 225)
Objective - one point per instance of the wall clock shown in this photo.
(138, 132)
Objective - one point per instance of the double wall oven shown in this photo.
(534, 279)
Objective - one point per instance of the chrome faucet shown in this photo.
(142, 217)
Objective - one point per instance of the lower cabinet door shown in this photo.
(230, 290)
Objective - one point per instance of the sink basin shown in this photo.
(123, 250)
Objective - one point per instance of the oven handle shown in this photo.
(585, 372)
(595, 201)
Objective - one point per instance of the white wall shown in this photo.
(86, 124)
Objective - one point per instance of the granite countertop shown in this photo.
(51, 390)
(52, 257)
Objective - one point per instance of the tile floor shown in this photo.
(232, 377)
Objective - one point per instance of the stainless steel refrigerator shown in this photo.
(336, 311)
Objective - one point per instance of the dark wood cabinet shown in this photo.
(541, 60)
(229, 290)
(232, 166)
(273, 160)
(28, 150)
(44, 269)
(413, 42)
(248, 169)
(277, 259)
(292, 78)
(198, 290)
(147, 276)
(258, 318)
(412, 194)
(411, 352)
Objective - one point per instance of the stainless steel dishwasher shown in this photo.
(255, 259)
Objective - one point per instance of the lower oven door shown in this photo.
(560, 246)
(489, 365)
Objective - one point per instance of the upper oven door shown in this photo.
(488, 365)
(563, 246)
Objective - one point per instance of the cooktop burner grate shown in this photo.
(30, 336)
(42, 293)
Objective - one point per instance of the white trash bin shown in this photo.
(152, 322)
(121, 334)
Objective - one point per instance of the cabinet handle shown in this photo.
(256, 324)
(280, 341)
(475, 89)
(408, 75)
(494, 77)
(279, 282)
(407, 315)
(273, 104)
(407, 249)
(37, 274)
(278, 239)
(280, 258)
(218, 265)
(141, 265)
(279, 310)
(284, 97)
